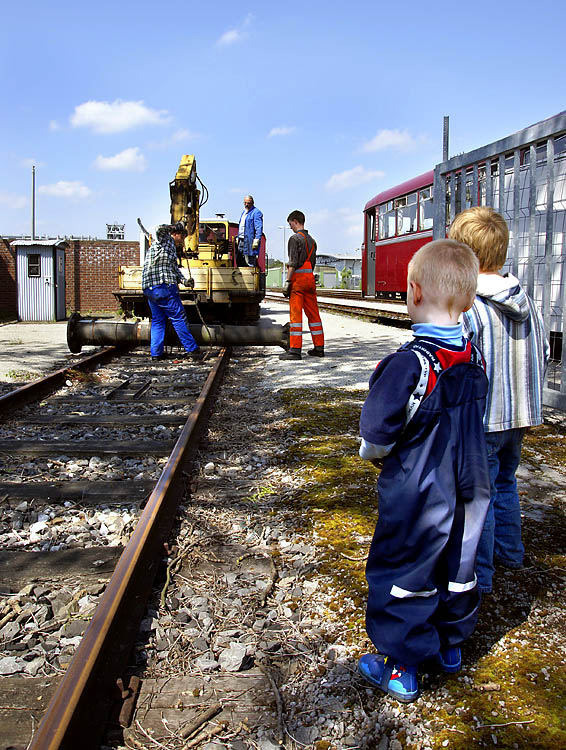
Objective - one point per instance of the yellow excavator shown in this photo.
(219, 291)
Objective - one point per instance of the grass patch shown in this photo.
(22, 375)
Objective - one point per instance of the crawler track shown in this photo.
(78, 454)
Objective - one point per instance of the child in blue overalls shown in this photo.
(423, 419)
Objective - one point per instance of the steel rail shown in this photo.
(78, 712)
(31, 391)
(378, 314)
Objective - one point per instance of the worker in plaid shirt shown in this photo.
(160, 278)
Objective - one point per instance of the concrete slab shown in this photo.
(352, 347)
(30, 350)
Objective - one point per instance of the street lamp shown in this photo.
(284, 228)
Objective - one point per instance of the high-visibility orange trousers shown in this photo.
(303, 297)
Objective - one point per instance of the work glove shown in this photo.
(189, 283)
(255, 244)
(287, 288)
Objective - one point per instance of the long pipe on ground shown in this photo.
(95, 332)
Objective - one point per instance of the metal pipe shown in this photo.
(92, 332)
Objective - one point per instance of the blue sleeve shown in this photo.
(258, 224)
(383, 413)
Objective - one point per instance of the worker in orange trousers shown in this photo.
(300, 288)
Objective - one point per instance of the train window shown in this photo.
(425, 209)
(372, 229)
(34, 265)
(406, 214)
(386, 220)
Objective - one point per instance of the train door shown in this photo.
(370, 252)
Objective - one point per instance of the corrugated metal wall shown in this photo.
(531, 167)
(36, 294)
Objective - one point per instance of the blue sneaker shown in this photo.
(395, 679)
(450, 659)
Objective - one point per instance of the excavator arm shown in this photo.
(185, 197)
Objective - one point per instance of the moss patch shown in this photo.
(513, 663)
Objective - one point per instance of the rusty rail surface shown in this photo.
(93, 683)
(32, 391)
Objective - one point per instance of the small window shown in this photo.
(386, 220)
(211, 233)
(34, 265)
(406, 214)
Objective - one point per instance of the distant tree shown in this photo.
(345, 276)
(274, 262)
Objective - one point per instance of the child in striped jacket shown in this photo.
(507, 327)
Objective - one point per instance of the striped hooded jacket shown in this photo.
(506, 325)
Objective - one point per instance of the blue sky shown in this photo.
(309, 105)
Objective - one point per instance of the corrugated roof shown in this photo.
(40, 243)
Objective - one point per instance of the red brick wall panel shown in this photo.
(8, 283)
(91, 270)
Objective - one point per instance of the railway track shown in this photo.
(343, 302)
(90, 480)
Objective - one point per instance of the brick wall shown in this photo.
(91, 271)
(91, 274)
(8, 284)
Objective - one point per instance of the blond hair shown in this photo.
(448, 270)
(485, 231)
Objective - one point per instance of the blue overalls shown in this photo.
(433, 497)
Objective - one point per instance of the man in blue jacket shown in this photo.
(249, 233)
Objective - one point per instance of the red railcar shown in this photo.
(397, 222)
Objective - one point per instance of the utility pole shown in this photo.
(33, 202)
(445, 134)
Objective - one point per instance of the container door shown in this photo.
(36, 283)
(60, 283)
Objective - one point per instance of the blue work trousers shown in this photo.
(501, 535)
(165, 302)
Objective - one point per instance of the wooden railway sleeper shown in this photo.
(141, 390)
(129, 696)
(117, 388)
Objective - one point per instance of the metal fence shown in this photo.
(523, 177)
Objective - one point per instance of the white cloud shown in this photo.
(229, 37)
(54, 125)
(281, 130)
(63, 189)
(183, 135)
(352, 178)
(238, 34)
(117, 116)
(401, 140)
(237, 191)
(129, 160)
(13, 201)
(179, 135)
